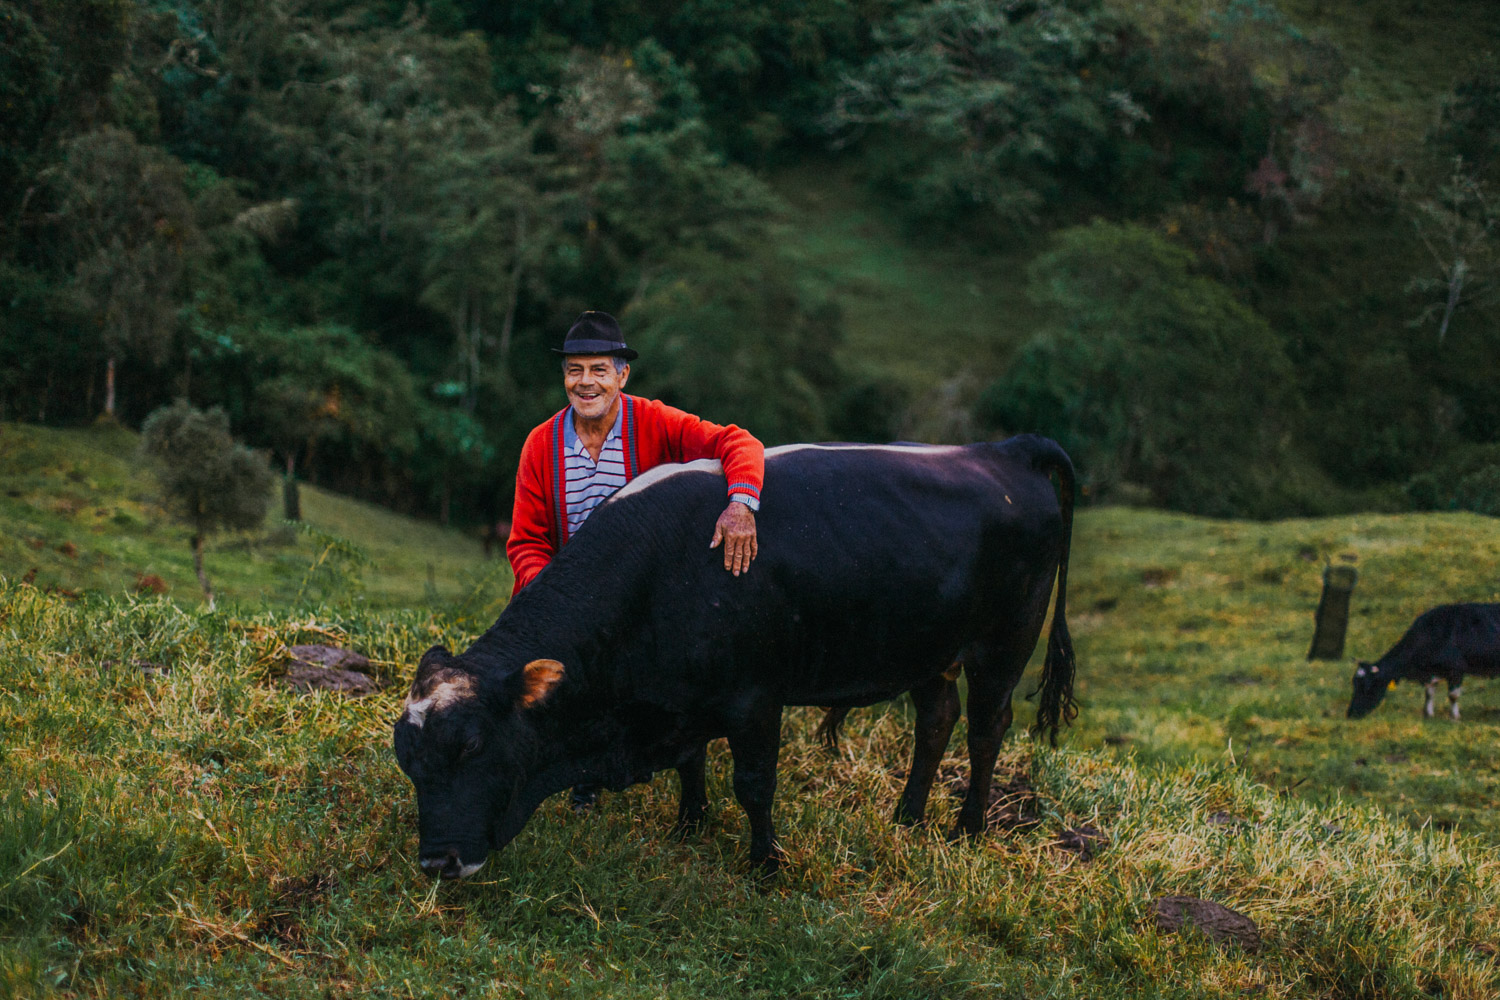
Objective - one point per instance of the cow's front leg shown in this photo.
(754, 745)
(1455, 689)
(937, 710)
(1429, 706)
(693, 803)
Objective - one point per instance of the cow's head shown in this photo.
(468, 743)
(1371, 682)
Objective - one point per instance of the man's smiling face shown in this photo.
(593, 384)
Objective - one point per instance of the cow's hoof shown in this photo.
(766, 869)
(964, 830)
(905, 817)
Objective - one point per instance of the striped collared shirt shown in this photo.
(589, 483)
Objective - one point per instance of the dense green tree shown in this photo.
(985, 106)
(738, 342)
(1260, 65)
(761, 70)
(1469, 125)
(29, 83)
(129, 228)
(209, 482)
(330, 402)
(1153, 375)
(980, 114)
(455, 455)
(88, 40)
(353, 130)
(43, 348)
(1458, 226)
(359, 224)
(491, 227)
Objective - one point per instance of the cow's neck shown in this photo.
(613, 746)
(583, 627)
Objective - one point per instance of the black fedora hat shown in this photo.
(596, 332)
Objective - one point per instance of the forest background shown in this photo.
(1238, 257)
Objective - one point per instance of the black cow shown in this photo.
(1442, 644)
(879, 566)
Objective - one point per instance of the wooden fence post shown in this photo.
(291, 500)
(1332, 619)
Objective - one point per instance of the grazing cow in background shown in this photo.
(1443, 644)
(879, 566)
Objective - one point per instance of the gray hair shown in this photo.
(620, 364)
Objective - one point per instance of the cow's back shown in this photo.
(1449, 635)
(876, 564)
(1477, 635)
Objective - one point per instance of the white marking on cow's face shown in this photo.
(438, 697)
(468, 870)
(416, 711)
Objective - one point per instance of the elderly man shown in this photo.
(603, 439)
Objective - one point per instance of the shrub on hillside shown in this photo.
(209, 482)
(1479, 491)
(1153, 375)
(1469, 479)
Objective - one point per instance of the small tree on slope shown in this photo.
(208, 481)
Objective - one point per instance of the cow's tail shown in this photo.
(1057, 705)
(828, 730)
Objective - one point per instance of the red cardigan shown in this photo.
(653, 433)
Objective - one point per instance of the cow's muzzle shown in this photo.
(448, 865)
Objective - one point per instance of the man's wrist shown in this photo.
(747, 499)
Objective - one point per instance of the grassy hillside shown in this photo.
(81, 510)
(920, 312)
(198, 827)
(1192, 637)
(1192, 634)
(204, 830)
(1401, 55)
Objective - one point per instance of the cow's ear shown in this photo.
(431, 662)
(538, 678)
(434, 659)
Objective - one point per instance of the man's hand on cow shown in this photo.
(736, 529)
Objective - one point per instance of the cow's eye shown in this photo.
(471, 747)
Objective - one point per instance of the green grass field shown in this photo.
(80, 508)
(920, 313)
(1193, 636)
(174, 821)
